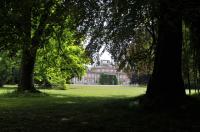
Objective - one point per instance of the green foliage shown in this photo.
(139, 56)
(60, 61)
(128, 28)
(9, 68)
(10, 29)
(106, 79)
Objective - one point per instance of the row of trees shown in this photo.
(136, 32)
(148, 35)
(44, 34)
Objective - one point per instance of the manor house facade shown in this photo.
(105, 67)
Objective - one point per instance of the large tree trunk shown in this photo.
(166, 83)
(195, 41)
(27, 70)
(28, 52)
(30, 46)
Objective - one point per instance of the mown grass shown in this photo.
(90, 109)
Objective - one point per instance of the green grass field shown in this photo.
(89, 109)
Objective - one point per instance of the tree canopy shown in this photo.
(50, 34)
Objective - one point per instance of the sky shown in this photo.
(105, 56)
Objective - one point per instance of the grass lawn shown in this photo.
(90, 109)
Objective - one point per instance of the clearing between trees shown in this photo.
(91, 108)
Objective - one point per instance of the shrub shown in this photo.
(106, 79)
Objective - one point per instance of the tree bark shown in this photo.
(28, 52)
(166, 83)
(195, 40)
(27, 70)
(188, 79)
(31, 45)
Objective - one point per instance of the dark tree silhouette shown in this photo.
(166, 83)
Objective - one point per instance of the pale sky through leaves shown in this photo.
(105, 56)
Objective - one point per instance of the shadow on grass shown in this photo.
(14, 94)
(93, 114)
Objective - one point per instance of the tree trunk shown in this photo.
(27, 70)
(28, 52)
(30, 46)
(166, 83)
(188, 79)
(195, 40)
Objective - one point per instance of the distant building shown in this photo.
(105, 66)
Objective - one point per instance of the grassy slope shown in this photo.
(91, 108)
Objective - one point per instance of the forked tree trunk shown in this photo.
(166, 83)
(30, 46)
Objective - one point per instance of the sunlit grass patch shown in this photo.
(74, 94)
(98, 91)
(88, 108)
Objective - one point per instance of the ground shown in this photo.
(91, 109)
